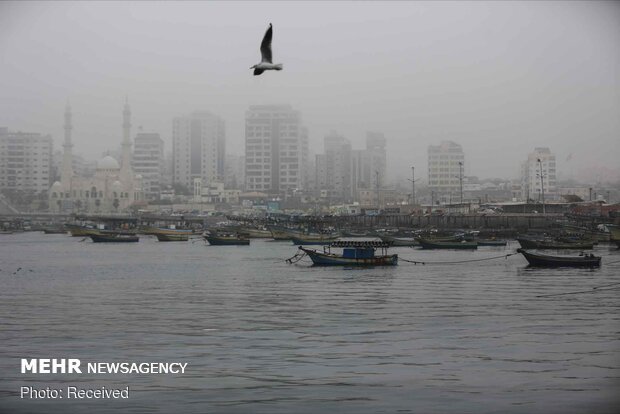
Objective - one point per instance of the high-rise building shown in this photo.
(198, 148)
(446, 166)
(377, 158)
(148, 161)
(333, 168)
(25, 161)
(276, 149)
(234, 177)
(541, 161)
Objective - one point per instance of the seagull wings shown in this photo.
(265, 46)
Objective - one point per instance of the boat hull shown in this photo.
(541, 244)
(101, 238)
(396, 241)
(327, 259)
(492, 242)
(172, 237)
(543, 260)
(428, 244)
(225, 241)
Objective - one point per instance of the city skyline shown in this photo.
(499, 79)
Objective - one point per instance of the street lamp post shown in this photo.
(542, 186)
(461, 180)
(413, 180)
(413, 185)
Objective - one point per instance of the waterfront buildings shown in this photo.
(198, 148)
(112, 189)
(446, 166)
(148, 161)
(25, 161)
(539, 163)
(276, 149)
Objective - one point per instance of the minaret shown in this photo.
(126, 171)
(66, 172)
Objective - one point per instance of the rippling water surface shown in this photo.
(261, 336)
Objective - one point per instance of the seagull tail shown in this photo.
(278, 66)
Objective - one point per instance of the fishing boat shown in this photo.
(546, 260)
(114, 238)
(553, 244)
(282, 233)
(81, 231)
(491, 242)
(399, 241)
(354, 253)
(433, 244)
(227, 239)
(54, 230)
(255, 232)
(163, 230)
(310, 239)
(163, 237)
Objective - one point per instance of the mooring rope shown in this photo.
(297, 257)
(592, 290)
(416, 262)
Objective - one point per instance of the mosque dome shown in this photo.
(108, 163)
(56, 184)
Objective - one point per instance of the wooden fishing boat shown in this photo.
(491, 242)
(162, 230)
(546, 260)
(114, 238)
(81, 231)
(227, 239)
(433, 244)
(54, 230)
(283, 233)
(254, 232)
(310, 239)
(163, 237)
(399, 241)
(552, 244)
(354, 253)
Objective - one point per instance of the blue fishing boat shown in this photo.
(354, 253)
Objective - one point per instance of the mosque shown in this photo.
(113, 188)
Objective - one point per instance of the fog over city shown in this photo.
(498, 78)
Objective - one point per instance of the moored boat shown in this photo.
(255, 232)
(114, 238)
(282, 233)
(54, 230)
(491, 242)
(399, 241)
(163, 237)
(309, 239)
(433, 244)
(162, 230)
(547, 260)
(81, 231)
(552, 244)
(227, 239)
(354, 253)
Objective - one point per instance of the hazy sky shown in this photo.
(500, 78)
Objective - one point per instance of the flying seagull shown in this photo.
(265, 51)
